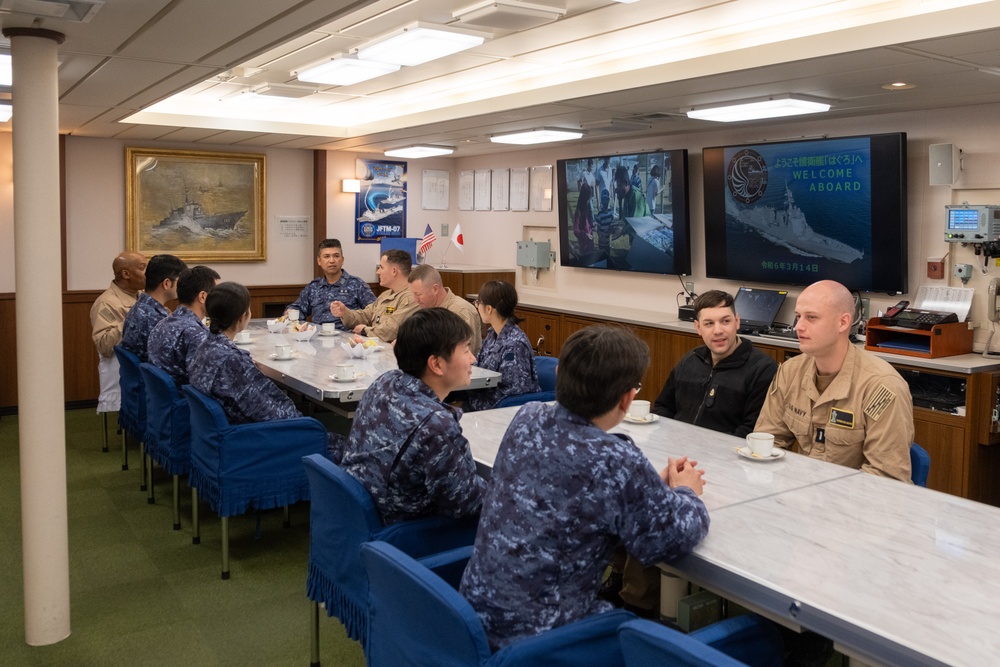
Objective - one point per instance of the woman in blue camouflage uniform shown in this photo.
(226, 373)
(505, 350)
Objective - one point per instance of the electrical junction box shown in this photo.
(698, 610)
(971, 224)
(534, 254)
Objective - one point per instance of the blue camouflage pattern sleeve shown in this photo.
(511, 355)
(144, 315)
(173, 341)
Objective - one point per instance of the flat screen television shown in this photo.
(626, 212)
(796, 212)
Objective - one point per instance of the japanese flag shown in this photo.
(458, 239)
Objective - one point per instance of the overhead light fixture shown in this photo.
(344, 70)
(350, 185)
(247, 99)
(508, 14)
(776, 106)
(6, 111)
(416, 152)
(539, 136)
(281, 90)
(418, 43)
(625, 2)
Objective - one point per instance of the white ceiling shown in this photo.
(613, 69)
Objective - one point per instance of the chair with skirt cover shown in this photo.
(132, 411)
(920, 464)
(545, 368)
(168, 428)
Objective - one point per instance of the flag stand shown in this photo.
(444, 264)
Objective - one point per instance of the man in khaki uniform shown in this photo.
(383, 317)
(429, 292)
(836, 401)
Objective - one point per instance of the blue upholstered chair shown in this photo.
(132, 413)
(419, 619)
(740, 641)
(168, 429)
(342, 517)
(920, 464)
(236, 467)
(545, 367)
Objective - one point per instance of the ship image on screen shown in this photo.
(625, 212)
(797, 212)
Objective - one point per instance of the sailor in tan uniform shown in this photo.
(837, 402)
(383, 317)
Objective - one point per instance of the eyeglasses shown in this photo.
(638, 387)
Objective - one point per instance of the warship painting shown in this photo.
(192, 215)
(788, 227)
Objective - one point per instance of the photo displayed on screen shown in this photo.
(625, 212)
(797, 212)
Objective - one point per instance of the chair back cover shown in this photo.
(546, 369)
(343, 516)
(920, 464)
(132, 413)
(416, 618)
(168, 422)
(238, 466)
(740, 641)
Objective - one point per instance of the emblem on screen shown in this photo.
(747, 176)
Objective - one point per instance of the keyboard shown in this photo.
(781, 334)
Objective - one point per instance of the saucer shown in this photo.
(650, 419)
(352, 379)
(243, 342)
(274, 355)
(776, 454)
(334, 333)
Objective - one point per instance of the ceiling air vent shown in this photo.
(508, 14)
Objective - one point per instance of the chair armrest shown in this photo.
(747, 638)
(275, 448)
(521, 399)
(592, 641)
(449, 565)
(418, 538)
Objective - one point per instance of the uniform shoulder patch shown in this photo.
(879, 402)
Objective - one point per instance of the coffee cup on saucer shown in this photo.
(283, 351)
(345, 371)
(243, 337)
(293, 314)
(761, 444)
(329, 328)
(639, 410)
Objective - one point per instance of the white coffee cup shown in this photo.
(283, 351)
(243, 337)
(345, 371)
(329, 328)
(639, 410)
(761, 444)
(293, 314)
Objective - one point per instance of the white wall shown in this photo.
(95, 213)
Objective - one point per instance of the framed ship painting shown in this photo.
(199, 206)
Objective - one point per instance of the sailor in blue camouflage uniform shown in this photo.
(505, 350)
(174, 339)
(564, 492)
(406, 446)
(150, 307)
(335, 284)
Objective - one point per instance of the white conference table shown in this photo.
(894, 574)
(314, 361)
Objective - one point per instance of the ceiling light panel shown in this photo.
(345, 71)
(419, 43)
(416, 152)
(774, 107)
(541, 136)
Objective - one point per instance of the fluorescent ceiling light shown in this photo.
(415, 152)
(247, 99)
(6, 111)
(345, 71)
(542, 136)
(773, 107)
(625, 2)
(418, 43)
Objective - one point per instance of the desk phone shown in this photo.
(919, 319)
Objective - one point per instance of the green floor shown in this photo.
(140, 592)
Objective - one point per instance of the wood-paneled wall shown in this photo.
(79, 353)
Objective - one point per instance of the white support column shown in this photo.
(38, 280)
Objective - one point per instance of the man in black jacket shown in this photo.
(721, 385)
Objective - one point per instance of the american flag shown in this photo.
(427, 241)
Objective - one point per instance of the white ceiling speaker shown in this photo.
(508, 14)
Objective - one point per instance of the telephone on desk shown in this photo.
(912, 318)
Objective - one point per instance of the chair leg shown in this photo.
(124, 448)
(177, 502)
(314, 636)
(151, 498)
(195, 528)
(105, 448)
(225, 547)
(142, 455)
(287, 519)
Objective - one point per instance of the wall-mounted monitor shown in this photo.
(792, 213)
(625, 212)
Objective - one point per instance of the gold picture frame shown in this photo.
(200, 206)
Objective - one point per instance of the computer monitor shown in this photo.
(757, 308)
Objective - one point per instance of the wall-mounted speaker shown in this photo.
(945, 164)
